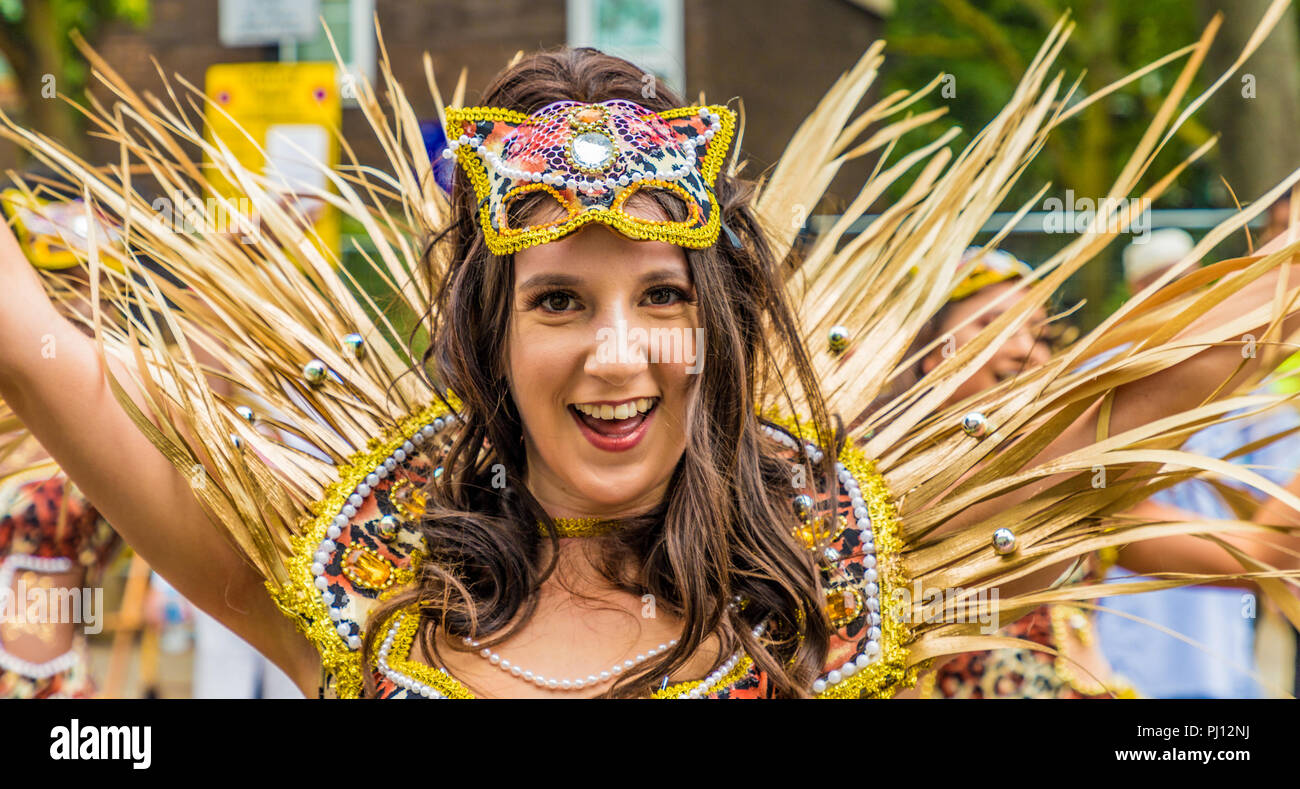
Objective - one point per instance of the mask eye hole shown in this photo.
(653, 203)
(530, 208)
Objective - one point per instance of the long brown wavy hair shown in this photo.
(725, 526)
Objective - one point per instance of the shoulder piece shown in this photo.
(361, 544)
(859, 548)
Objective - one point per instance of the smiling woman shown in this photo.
(758, 514)
(603, 419)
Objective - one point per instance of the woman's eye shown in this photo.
(665, 296)
(555, 301)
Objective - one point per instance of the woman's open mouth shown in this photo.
(614, 427)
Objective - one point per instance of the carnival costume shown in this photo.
(333, 538)
(46, 526)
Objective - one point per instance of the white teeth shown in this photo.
(621, 411)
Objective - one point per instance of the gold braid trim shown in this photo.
(889, 673)
(580, 527)
(736, 674)
(399, 657)
(301, 600)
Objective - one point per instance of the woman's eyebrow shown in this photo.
(552, 279)
(662, 274)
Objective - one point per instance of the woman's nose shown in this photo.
(619, 350)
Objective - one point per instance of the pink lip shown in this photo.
(612, 444)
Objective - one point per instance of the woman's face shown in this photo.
(601, 356)
(1023, 350)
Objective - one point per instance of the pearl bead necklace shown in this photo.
(606, 676)
(590, 681)
(710, 682)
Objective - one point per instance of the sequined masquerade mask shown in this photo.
(979, 269)
(591, 158)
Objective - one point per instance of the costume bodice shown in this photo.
(47, 526)
(363, 546)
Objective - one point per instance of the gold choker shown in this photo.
(580, 527)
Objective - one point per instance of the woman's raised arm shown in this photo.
(54, 379)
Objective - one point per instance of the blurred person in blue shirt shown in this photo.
(1219, 619)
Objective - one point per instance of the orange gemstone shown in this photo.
(843, 604)
(408, 498)
(367, 568)
(808, 536)
(812, 533)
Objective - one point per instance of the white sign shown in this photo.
(649, 33)
(259, 22)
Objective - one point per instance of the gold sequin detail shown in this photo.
(407, 497)
(580, 527)
(813, 534)
(525, 189)
(736, 674)
(590, 117)
(367, 569)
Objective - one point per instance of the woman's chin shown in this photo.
(611, 503)
(606, 491)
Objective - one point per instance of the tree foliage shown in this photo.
(984, 46)
(34, 39)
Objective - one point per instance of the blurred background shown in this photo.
(261, 61)
(777, 57)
